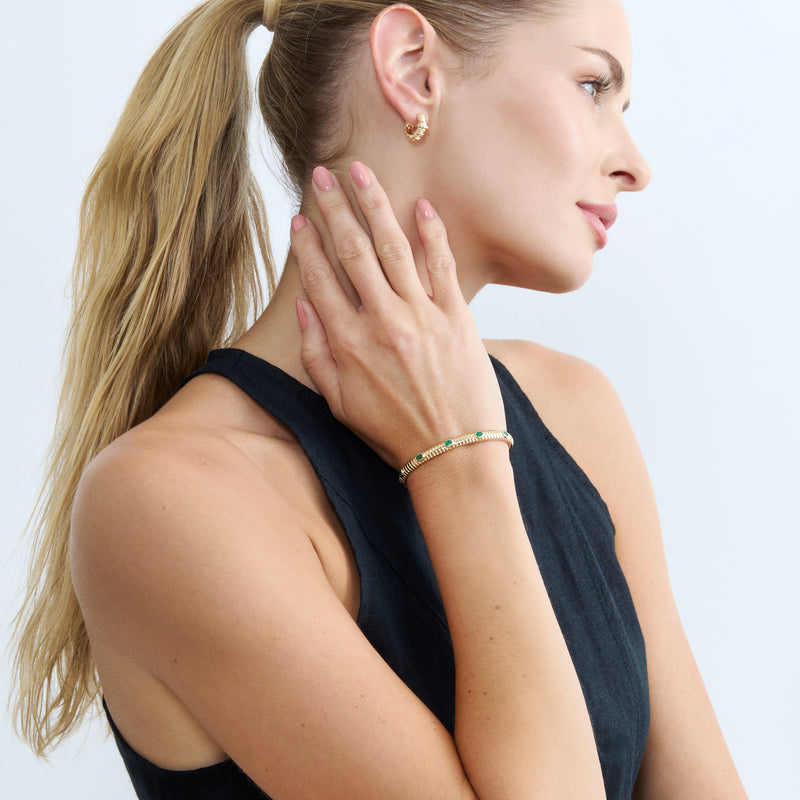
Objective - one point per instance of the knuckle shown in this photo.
(442, 263)
(312, 357)
(374, 201)
(392, 249)
(405, 341)
(315, 275)
(406, 346)
(352, 248)
(309, 355)
(347, 343)
(401, 335)
(333, 201)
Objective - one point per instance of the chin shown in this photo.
(570, 283)
(552, 281)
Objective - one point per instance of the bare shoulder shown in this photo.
(578, 404)
(552, 375)
(152, 463)
(583, 411)
(210, 475)
(160, 513)
(210, 480)
(211, 448)
(159, 478)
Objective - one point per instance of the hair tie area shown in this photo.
(271, 10)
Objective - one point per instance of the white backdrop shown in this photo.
(691, 312)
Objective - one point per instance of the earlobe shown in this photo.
(405, 52)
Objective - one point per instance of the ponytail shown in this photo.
(166, 269)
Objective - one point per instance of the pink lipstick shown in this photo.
(601, 218)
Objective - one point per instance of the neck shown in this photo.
(276, 337)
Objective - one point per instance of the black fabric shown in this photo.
(401, 611)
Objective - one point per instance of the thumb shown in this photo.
(315, 353)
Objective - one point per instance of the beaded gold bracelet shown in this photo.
(450, 444)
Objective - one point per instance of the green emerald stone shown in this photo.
(448, 443)
(419, 457)
(479, 434)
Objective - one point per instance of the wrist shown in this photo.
(465, 440)
(461, 470)
(467, 497)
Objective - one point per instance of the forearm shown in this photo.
(402, 369)
(522, 727)
(686, 754)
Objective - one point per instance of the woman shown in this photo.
(268, 609)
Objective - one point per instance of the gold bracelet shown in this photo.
(450, 444)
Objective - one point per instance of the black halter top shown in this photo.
(401, 611)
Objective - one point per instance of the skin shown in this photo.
(234, 634)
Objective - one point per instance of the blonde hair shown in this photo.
(171, 227)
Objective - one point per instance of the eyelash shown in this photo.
(601, 84)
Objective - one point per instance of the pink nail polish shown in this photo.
(301, 314)
(323, 179)
(360, 175)
(298, 222)
(425, 209)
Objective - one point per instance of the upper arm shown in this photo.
(215, 584)
(686, 755)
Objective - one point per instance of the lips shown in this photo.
(601, 218)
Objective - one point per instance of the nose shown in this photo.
(626, 165)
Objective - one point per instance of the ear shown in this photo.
(407, 55)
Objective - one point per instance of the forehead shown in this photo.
(593, 24)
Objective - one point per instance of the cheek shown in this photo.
(511, 180)
(505, 146)
(559, 145)
(542, 136)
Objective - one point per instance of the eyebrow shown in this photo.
(617, 72)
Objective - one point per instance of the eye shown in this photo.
(597, 86)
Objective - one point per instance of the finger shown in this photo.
(390, 242)
(438, 258)
(317, 275)
(315, 353)
(351, 242)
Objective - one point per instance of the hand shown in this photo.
(405, 370)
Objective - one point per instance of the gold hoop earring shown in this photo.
(416, 133)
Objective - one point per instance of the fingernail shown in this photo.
(360, 175)
(425, 209)
(323, 179)
(301, 314)
(298, 222)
